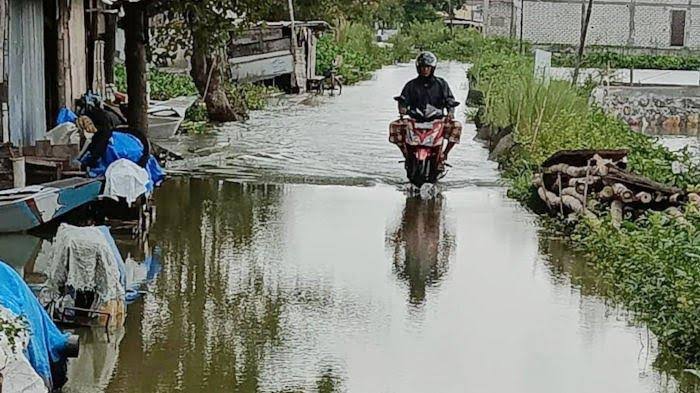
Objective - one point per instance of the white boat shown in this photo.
(165, 117)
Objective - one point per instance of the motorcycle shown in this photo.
(424, 138)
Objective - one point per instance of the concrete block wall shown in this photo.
(500, 23)
(633, 23)
(610, 24)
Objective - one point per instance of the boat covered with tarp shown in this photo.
(28, 336)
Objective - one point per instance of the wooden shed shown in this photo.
(271, 51)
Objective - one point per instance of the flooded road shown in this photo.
(341, 140)
(319, 274)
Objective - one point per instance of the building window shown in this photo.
(677, 28)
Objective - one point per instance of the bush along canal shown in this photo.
(649, 258)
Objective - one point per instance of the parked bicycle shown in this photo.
(331, 82)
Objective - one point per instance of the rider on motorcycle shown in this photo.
(427, 89)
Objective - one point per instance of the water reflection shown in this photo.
(205, 326)
(570, 269)
(99, 353)
(421, 246)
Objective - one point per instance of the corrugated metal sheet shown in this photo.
(261, 67)
(5, 133)
(26, 78)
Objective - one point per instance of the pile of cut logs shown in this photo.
(587, 181)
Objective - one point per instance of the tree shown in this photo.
(136, 22)
(207, 27)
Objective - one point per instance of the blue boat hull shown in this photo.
(37, 205)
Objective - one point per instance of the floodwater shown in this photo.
(304, 266)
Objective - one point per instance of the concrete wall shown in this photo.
(500, 21)
(634, 23)
(655, 110)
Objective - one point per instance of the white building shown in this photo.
(644, 24)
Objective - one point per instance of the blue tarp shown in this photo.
(46, 341)
(123, 145)
(66, 115)
(152, 264)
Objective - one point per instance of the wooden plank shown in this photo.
(77, 54)
(43, 148)
(43, 161)
(579, 158)
(258, 35)
(19, 172)
(260, 48)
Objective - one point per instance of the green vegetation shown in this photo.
(355, 44)
(165, 86)
(597, 58)
(652, 264)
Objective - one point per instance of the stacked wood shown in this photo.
(586, 182)
(37, 164)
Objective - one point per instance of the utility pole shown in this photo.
(452, 16)
(522, 23)
(582, 44)
(291, 14)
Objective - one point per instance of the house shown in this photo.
(468, 16)
(658, 25)
(45, 46)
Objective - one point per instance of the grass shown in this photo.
(601, 58)
(652, 264)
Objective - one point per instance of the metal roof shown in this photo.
(313, 24)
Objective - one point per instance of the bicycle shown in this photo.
(331, 82)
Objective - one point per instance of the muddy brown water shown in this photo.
(306, 267)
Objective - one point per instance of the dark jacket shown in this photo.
(421, 91)
(106, 121)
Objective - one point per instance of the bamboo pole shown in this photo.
(582, 44)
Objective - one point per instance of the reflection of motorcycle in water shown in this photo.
(97, 361)
(422, 246)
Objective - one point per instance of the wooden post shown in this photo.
(110, 39)
(63, 61)
(452, 17)
(136, 71)
(487, 16)
(582, 44)
(19, 173)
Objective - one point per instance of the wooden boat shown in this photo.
(22, 209)
(165, 117)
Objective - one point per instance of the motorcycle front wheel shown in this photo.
(420, 172)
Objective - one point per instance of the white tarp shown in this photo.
(127, 180)
(64, 134)
(18, 374)
(82, 258)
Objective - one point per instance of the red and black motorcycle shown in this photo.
(423, 140)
